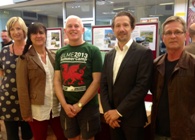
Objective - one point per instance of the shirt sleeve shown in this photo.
(97, 61)
(57, 61)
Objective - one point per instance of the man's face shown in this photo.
(74, 29)
(122, 29)
(174, 36)
(5, 37)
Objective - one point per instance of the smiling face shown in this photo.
(38, 38)
(16, 32)
(74, 30)
(122, 29)
(16, 28)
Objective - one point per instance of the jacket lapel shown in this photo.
(35, 58)
(126, 58)
(111, 64)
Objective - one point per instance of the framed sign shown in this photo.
(55, 38)
(190, 17)
(103, 37)
(149, 33)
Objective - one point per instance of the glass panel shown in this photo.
(83, 9)
(50, 15)
(106, 9)
(88, 33)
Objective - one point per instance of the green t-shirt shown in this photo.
(77, 63)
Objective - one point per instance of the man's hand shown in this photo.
(70, 110)
(114, 124)
(111, 118)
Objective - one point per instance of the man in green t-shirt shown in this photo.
(78, 68)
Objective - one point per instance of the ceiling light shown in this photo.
(156, 15)
(17, 1)
(130, 10)
(103, 2)
(168, 3)
(108, 13)
(111, 2)
(119, 8)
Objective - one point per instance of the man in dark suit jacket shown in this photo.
(125, 81)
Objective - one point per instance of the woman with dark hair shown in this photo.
(38, 103)
(9, 106)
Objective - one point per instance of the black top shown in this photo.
(3, 44)
(163, 120)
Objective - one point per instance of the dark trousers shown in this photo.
(12, 130)
(132, 133)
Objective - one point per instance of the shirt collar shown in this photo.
(126, 46)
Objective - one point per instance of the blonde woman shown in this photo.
(9, 104)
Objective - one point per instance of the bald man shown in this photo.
(191, 47)
(77, 78)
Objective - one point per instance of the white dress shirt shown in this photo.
(120, 54)
(42, 112)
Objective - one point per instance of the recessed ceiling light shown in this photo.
(17, 1)
(119, 8)
(155, 15)
(103, 2)
(168, 3)
(108, 13)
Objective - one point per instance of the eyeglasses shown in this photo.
(176, 33)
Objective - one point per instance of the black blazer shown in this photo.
(131, 85)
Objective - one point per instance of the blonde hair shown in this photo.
(20, 21)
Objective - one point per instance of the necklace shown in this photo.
(13, 49)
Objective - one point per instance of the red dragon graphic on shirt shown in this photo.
(72, 74)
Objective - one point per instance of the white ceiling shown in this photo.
(54, 7)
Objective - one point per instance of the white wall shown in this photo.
(181, 7)
(6, 2)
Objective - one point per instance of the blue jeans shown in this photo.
(157, 137)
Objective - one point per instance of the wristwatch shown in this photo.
(80, 105)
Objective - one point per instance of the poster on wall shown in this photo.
(144, 33)
(147, 32)
(190, 16)
(54, 38)
(103, 37)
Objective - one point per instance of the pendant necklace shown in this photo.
(13, 49)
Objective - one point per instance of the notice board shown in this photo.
(55, 38)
